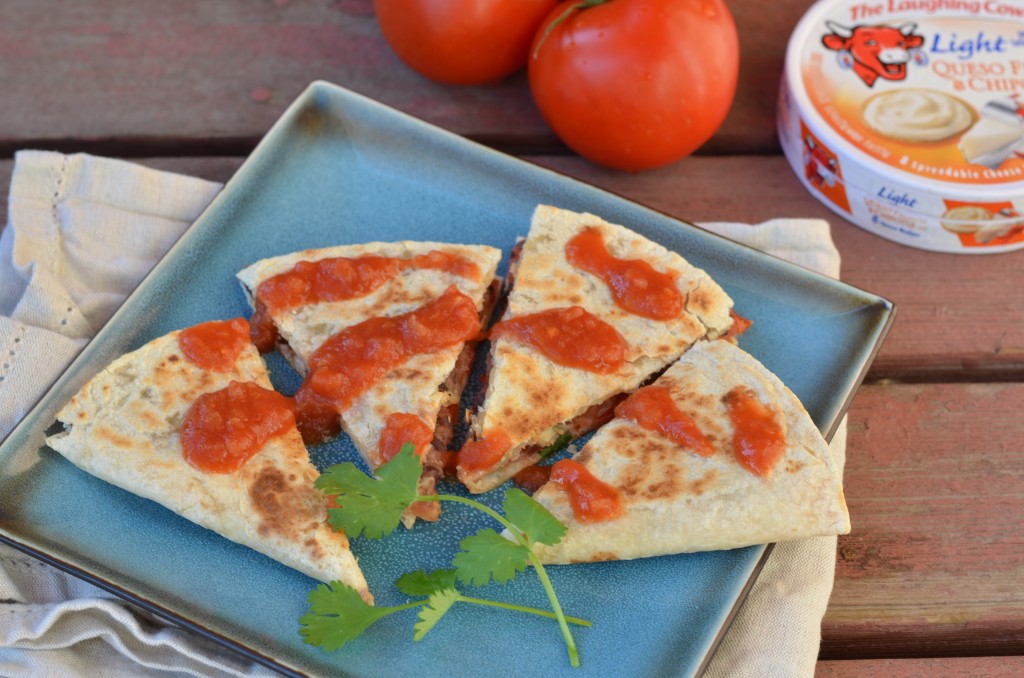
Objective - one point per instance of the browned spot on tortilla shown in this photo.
(394, 294)
(408, 374)
(173, 358)
(313, 548)
(701, 300)
(698, 487)
(625, 439)
(278, 503)
(151, 420)
(114, 438)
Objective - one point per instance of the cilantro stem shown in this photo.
(480, 507)
(522, 608)
(570, 643)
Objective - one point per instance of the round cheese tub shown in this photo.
(906, 117)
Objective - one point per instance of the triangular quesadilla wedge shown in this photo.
(191, 421)
(715, 454)
(594, 311)
(384, 335)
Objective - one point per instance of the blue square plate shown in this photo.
(338, 168)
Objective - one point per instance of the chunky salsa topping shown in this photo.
(399, 429)
(758, 439)
(482, 454)
(338, 279)
(592, 500)
(215, 345)
(571, 336)
(635, 285)
(652, 408)
(739, 326)
(354, 359)
(224, 429)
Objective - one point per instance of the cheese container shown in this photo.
(906, 117)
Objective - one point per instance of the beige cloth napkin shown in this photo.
(82, 232)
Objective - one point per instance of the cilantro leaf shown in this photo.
(420, 583)
(431, 613)
(368, 505)
(487, 554)
(532, 519)
(337, 614)
(557, 446)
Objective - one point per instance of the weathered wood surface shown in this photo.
(946, 667)
(934, 565)
(185, 77)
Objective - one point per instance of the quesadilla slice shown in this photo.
(191, 421)
(594, 311)
(715, 454)
(384, 336)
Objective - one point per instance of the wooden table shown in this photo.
(930, 582)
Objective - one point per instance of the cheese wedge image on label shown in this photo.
(991, 141)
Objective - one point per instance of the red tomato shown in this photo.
(636, 84)
(462, 42)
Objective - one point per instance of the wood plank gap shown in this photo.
(913, 644)
(181, 147)
(885, 375)
(131, 147)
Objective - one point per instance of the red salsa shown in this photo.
(399, 429)
(224, 429)
(338, 279)
(592, 500)
(739, 326)
(571, 336)
(652, 408)
(353, 360)
(482, 454)
(758, 439)
(635, 285)
(215, 345)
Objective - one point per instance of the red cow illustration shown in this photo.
(875, 51)
(820, 166)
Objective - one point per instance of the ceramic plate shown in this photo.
(339, 168)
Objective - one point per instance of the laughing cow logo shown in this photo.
(875, 51)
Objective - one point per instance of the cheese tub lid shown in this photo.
(929, 92)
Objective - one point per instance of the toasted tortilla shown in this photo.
(676, 501)
(533, 399)
(123, 427)
(422, 385)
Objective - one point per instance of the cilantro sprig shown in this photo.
(374, 506)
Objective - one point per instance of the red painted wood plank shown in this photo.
(947, 667)
(85, 73)
(934, 565)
